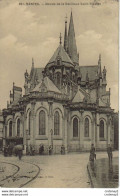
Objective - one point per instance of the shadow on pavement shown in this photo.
(104, 173)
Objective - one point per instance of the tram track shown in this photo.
(18, 168)
(33, 177)
(16, 174)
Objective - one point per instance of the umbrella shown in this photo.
(18, 147)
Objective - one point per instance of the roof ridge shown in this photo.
(60, 51)
(89, 66)
(49, 86)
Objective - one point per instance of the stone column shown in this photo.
(108, 129)
(93, 135)
(97, 130)
(14, 133)
(32, 120)
(81, 130)
(50, 124)
(4, 134)
(24, 131)
(34, 128)
(112, 131)
(21, 124)
(66, 129)
(63, 131)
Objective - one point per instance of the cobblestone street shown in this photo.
(63, 171)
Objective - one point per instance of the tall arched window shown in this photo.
(101, 131)
(86, 133)
(18, 127)
(29, 123)
(75, 127)
(58, 62)
(56, 123)
(10, 128)
(58, 76)
(42, 123)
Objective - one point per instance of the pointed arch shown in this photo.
(86, 127)
(101, 130)
(29, 123)
(10, 128)
(18, 127)
(42, 122)
(75, 127)
(56, 123)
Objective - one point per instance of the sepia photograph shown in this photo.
(59, 111)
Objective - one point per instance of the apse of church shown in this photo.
(64, 103)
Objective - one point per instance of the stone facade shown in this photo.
(64, 104)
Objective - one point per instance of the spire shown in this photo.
(65, 35)
(32, 68)
(99, 60)
(60, 39)
(87, 77)
(99, 64)
(104, 73)
(32, 63)
(72, 48)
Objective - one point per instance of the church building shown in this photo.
(64, 104)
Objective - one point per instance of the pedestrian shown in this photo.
(50, 150)
(62, 149)
(20, 154)
(92, 153)
(33, 150)
(41, 149)
(109, 152)
(5, 151)
(93, 150)
(30, 149)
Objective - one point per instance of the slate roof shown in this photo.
(92, 72)
(37, 73)
(80, 95)
(49, 85)
(60, 51)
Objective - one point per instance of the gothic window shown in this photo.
(86, 133)
(56, 123)
(29, 124)
(101, 132)
(18, 127)
(42, 122)
(10, 128)
(58, 62)
(58, 79)
(75, 127)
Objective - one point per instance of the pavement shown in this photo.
(15, 173)
(56, 171)
(104, 173)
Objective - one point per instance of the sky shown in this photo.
(32, 31)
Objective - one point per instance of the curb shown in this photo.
(92, 177)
